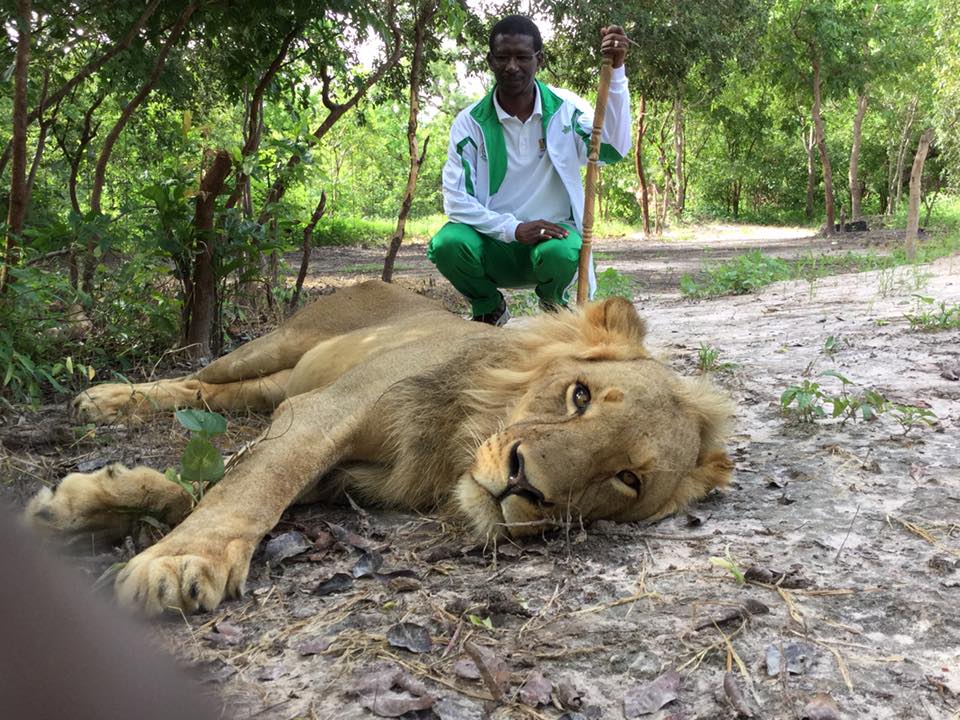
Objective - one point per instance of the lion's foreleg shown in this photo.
(104, 505)
(207, 557)
(111, 401)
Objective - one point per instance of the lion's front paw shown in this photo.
(106, 403)
(189, 573)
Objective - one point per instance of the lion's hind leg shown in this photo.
(103, 506)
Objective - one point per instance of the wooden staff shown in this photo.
(593, 170)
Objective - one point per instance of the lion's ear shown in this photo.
(617, 316)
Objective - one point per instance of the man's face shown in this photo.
(514, 64)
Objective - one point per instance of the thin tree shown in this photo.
(307, 247)
(17, 210)
(423, 18)
(916, 178)
(820, 139)
(643, 194)
(856, 189)
(201, 302)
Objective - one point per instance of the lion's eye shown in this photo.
(630, 479)
(581, 397)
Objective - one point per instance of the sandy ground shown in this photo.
(850, 532)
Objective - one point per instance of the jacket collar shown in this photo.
(485, 113)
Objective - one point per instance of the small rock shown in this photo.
(796, 658)
(821, 707)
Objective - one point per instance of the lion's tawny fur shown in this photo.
(385, 395)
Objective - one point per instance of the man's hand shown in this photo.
(613, 44)
(535, 231)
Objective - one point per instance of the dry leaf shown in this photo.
(649, 698)
(410, 636)
(536, 690)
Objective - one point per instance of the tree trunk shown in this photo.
(307, 245)
(643, 196)
(809, 145)
(856, 191)
(100, 171)
(913, 209)
(422, 28)
(45, 124)
(822, 142)
(679, 152)
(17, 210)
(896, 176)
(201, 303)
(85, 72)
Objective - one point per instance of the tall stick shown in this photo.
(593, 169)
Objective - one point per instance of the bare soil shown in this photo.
(850, 533)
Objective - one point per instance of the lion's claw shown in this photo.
(161, 578)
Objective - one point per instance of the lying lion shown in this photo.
(385, 395)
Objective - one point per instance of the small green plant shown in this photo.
(524, 302)
(729, 564)
(611, 282)
(831, 345)
(743, 274)
(480, 622)
(201, 464)
(708, 360)
(927, 318)
(911, 416)
(809, 399)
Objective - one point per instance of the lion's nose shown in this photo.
(515, 474)
(517, 483)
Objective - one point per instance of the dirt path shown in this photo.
(858, 523)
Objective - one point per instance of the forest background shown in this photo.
(161, 159)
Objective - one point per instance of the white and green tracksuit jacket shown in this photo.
(477, 157)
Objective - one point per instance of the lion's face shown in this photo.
(616, 440)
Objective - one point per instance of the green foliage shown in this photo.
(523, 302)
(708, 360)
(729, 564)
(753, 270)
(808, 398)
(612, 283)
(201, 464)
(927, 318)
(831, 345)
(911, 416)
(807, 401)
(743, 274)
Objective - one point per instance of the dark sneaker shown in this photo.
(548, 306)
(497, 318)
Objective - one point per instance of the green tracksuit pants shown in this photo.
(477, 265)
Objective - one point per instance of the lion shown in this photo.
(385, 395)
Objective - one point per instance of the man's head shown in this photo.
(515, 54)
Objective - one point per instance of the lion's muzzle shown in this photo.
(517, 482)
